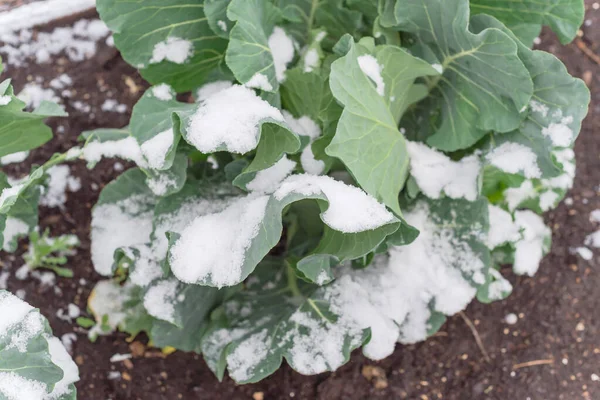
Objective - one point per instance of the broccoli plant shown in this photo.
(33, 363)
(346, 173)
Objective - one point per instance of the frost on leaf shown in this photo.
(33, 363)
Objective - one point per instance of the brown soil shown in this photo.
(552, 352)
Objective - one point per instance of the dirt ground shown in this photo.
(552, 352)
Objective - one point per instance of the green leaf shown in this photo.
(563, 16)
(306, 16)
(19, 130)
(526, 33)
(34, 362)
(251, 226)
(143, 30)
(248, 54)
(555, 112)
(216, 13)
(367, 139)
(484, 84)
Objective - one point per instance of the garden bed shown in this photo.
(551, 352)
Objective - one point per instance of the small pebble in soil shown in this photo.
(511, 318)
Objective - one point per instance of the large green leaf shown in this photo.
(367, 139)
(557, 107)
(563, 16)
(484, 86)
(169, 41)
(33, 363)
(251, 226)
(248, 55)
(402, 297)
(19, 130)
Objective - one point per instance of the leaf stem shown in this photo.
(292, 280)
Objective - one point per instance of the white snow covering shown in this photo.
(593, 239)
(539, 108)
(213, 247)
(371, 68)
(438, 68)
(161, 183)
(174, 49)
(435, 173)
(15, 387)
(282, 48)
(305, 126)
(14, 229)
(107, 299)
(159, 300)
(155, 149)
(207, 90)
(311, 60)
(502, 228)
(125, 223)
(10, 192)
(163, 92)
(19, 320)
(268, 180)
(583, 252)
(259, 81)
(247, 354)
(54, 195)
(14, 158)
(515, 196)
(4, 100)
(40, 12)
(127, 149)
(230, 118)
(78, 42)
(33, 94)
(61, 358)
(111, 105)
(529, 251)
(559, 132)
(350, 209)
(595, 216)
(548, 200)
(513, 158)
(500, 287)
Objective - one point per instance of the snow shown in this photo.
(282, 48)
(112, 105)
(4, 275)
(10, 192)
(73, 311)
(222, 24)
(539, 108)
(583, 252)
(13, 311)
(125, 223)
(369, 66)
(230, 118)
(67, 340)
(511, 319)
(213, 247)
(77, 42)
(529, 251)
(163, 92)
(502, 228)
(595, 216)
(593, 239)
(559, 132)
(174, 49)
(58, 180)
(516, 196)
(244, 357)
(127, 149)
(119, 357)
(208, 89)
(548, 200)
(438, 68)
(16, 387)
(60, 82)
(159, 300)
(61, 358)
(311, 60)
(4, 100)
(268, 180)
(40, 12)
(435, 173)
(107, 299)
(305, 126)
(33, 95)
(14, 229)
(161, 183)
(500, 288)
(14, 158)
(513, 158)
(350, 209)
(259, 81)
(155, 149)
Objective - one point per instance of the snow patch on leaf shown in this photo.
(174, 49)
(513, 158)
(282, 48)
(370, 67)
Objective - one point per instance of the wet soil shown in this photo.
(552, 352)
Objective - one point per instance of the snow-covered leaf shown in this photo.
(368, 82)
(563, 16)
(467, 100)
(168, 41)
(251, 226)
(33, 363)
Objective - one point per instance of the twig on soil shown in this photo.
(475, 335)
(533, 363)
(587, 51)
